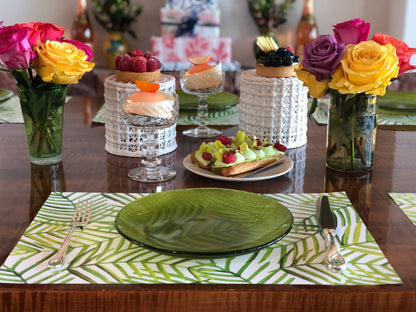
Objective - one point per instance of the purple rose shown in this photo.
(81, 46)
(322, 56)
(15, 49)
(352, 32)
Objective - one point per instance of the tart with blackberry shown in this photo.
(275, 62)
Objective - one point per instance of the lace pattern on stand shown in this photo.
(275, 108)
(124, 140)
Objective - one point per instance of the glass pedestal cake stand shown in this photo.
(149, 126)
(202, 131)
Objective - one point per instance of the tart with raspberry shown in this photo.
(137, 66)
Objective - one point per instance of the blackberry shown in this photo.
(296, 59)
(277, 61)
(287, 60)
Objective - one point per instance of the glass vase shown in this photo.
(42, 110)
(351, 132)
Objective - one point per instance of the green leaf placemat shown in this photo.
(407, 203)
(98, 254)
(221, 117)
(393, 119)
(10, 111)
(398, 100)
(218, 101)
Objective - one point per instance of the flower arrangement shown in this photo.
(116, 15)
(43, 64)
(267, 14)
(26, 49)
(354, 71)
(350, 63)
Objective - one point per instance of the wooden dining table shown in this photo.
(87, 167)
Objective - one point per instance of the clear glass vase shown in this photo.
(351, 132)
(42, 109)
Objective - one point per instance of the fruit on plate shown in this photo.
(137, 66)
(229, 156)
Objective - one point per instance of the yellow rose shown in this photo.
(61, 62)
(316, 88)
(366, 67)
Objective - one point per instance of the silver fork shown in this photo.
(81, 218)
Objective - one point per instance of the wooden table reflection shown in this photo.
(86, 167)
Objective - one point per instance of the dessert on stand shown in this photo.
(273, 101)
(202, 79)
(150, 110)
(123, 139)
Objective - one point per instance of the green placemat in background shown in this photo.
(218, 101)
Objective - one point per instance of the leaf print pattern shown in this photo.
(98, 254)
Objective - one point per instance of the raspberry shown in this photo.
(229, 158)
(289, 48)
(158, 64)
(259, 143)
(138, 64)
(151, 65)
(225, 140)
(280, 147)
(123, 62)
(207, 156)
(148, 55)
(136, 52)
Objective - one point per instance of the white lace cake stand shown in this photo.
(124, 140)
(274, 108)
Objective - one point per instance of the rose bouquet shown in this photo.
(43, 64)
(354, 71)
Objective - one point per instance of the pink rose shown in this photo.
(403, 52)
(79, 45)
(15, 49)
(43, 32)
(352, 32)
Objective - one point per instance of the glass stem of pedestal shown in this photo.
(151, 150)
(202, 112)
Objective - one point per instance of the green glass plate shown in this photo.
(5, 94)
(204, 222)
(401, 100)
(221, 100)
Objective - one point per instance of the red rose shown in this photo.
(353, 31)
(43, 32)
(403, 52)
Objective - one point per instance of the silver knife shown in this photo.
(334, 261)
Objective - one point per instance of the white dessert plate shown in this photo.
(273, 172)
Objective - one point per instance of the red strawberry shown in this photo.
(259, 143)
(151, 65)
(207, 156)
(225, 140)
(229, 158)
(280, 147)
(123, 62)
(148, 55)
(138, 65)
(136, 52)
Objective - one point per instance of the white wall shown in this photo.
(396, 17)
